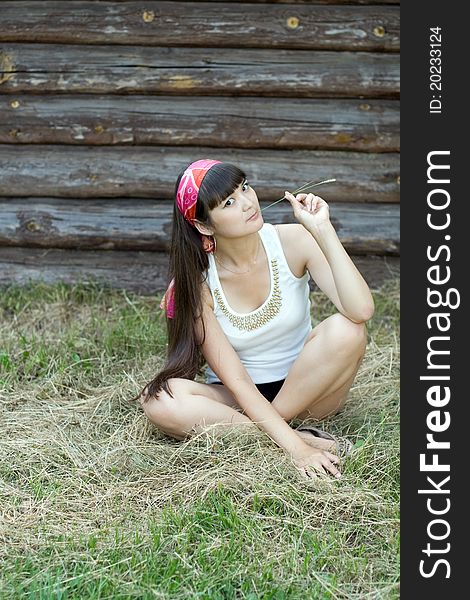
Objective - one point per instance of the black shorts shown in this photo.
(269, 390)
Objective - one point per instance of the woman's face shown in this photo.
(232, 217)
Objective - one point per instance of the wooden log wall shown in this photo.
(103, 102)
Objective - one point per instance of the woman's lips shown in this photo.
(253, 217)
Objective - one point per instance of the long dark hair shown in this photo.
(188, 266)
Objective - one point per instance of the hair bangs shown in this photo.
(220, 181)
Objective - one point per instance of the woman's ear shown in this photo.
(204, 229)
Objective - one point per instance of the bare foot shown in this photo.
(316, 442)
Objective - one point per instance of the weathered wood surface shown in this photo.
(371, 126)
(196, 71)
(151, 171)
(141, 272)
(203, 24)
(303, 2)
(352, 2)
(146, 225)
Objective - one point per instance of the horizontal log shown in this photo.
(241, 25)
(151, 171)
(146, 225)
(352, 2)
(140, 272)
(196, 71)
(308, 124)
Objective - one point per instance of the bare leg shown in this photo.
(331, 403)
(194, 406)
(188, 412)
(319, 380)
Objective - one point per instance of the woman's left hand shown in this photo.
(309, 210)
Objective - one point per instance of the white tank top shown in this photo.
(270, 338)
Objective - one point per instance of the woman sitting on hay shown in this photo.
(239, 299)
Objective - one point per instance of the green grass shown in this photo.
(98, 504)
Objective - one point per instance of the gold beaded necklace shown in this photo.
(264, 313)
(260, 316)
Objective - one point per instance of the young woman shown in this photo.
(239, 300)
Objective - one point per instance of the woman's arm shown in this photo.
(224, 361)
(226, 364)
(328, 262)
(353, 292)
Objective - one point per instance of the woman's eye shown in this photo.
(245, 186)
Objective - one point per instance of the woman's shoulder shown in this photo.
(289, 235)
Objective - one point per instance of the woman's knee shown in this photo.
(163, 410)
(345, 334)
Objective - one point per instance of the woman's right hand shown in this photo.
(311, 462)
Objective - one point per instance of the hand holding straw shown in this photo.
(304, 187)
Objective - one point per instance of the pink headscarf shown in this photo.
(188, 188)
(186, 200)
